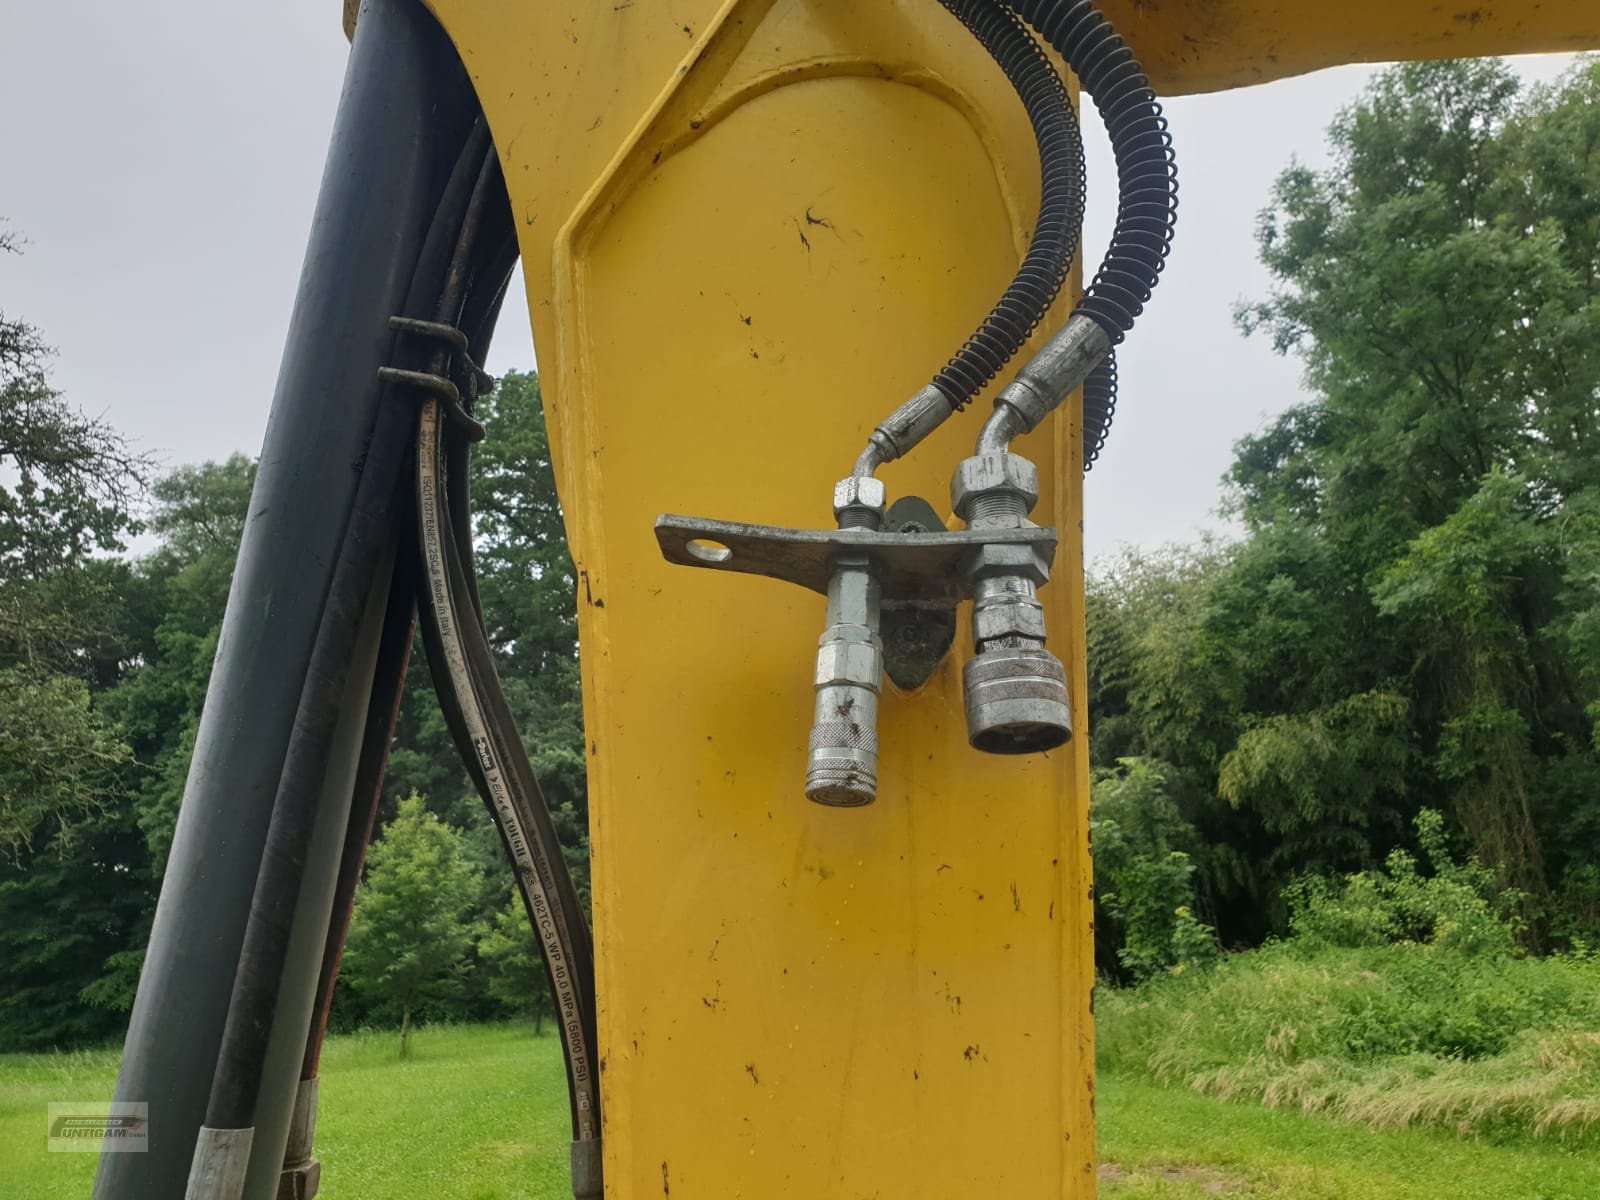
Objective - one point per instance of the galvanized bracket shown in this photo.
(921, 567)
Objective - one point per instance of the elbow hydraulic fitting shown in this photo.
(842, 753)
(1015, 689)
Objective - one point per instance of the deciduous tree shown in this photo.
(410, 933)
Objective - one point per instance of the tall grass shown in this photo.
(1391, 1037)
(1399, 1000)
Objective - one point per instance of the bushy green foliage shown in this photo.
(59, 757)
(104, 666)
(74, 881)
(1455, 907)
(1144, 885)
(1400, 998)
(73, 910)
(509, 950)
(1389, 1036)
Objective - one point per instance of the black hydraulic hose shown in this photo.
(383, 709)
(369, 533)
(476, 706)
(1061, 176)
(480, 721)
(478, 318)
(1147, 182)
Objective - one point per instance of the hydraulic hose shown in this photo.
(1061, 181)
(1050, 252)
(1099, 407)
(481, 722)
(236, 1081)
(1147, 207)
(383, 709)
(464, 677)
(1147, 173)
(1147, 204)
(460, 275)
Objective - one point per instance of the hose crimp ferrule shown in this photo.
(842, 753)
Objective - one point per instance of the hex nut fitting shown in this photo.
(1009, 619)
(996, 473)
(860, 492)
(842, 660)
(1006, 608)
(992, 560)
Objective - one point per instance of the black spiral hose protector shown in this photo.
(1099, 406)
(1147, 182)
(1055, 236)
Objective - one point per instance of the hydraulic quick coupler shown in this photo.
(1015, 689)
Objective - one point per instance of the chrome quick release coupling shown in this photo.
(894, 578)
(1015, 689)
(842, 752)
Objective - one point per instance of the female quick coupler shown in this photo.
(1015, 689)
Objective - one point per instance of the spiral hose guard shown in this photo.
(1147, 179)
(1099, 406)
(1055, 237)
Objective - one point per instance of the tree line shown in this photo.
(1410, 618)
(104, 660)
(1407, 622)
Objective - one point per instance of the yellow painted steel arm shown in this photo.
(1208, 45)
(750, 229)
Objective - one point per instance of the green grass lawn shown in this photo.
(476, 1113)
(480, 1114)
(1176, 1145)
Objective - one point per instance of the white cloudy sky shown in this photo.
(162, 161)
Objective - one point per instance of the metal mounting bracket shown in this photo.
(920, 564)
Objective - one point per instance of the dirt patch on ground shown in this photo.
(1214, 1183)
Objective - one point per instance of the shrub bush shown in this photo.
(1144, 882)
(1457, 907)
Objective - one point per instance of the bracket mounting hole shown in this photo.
(708, 551)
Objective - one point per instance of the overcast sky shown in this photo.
(162, 161)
